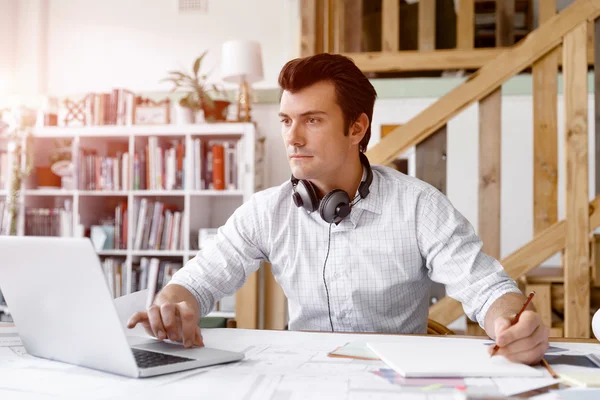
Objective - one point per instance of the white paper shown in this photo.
(432, 357)
(512, 386)
(127, 306)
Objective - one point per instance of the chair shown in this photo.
(435, 328)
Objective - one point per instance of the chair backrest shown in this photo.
(435, 328)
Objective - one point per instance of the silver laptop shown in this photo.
(61, 305)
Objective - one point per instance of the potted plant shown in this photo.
(198, 97)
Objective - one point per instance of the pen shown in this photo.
(496, 347)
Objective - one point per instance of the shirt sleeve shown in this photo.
(453, 255)
(223, 265)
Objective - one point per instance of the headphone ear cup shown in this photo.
(307, 196)
(334, 206)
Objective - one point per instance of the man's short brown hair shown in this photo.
(354, 92)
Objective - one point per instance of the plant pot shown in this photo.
(216, 113)
(184, 115)
(47, 178)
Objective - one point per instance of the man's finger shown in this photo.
(532, 356)
(198, 339)
(136, 319)
(523, 344)
(188, 323)
(527, 324)
(169, 319)
(156, 322)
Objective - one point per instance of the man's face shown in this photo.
(312, 126)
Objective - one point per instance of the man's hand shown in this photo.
(174, 315)
(524, 342)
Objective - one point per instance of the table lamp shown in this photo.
(241, 62)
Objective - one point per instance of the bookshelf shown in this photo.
(199, 204)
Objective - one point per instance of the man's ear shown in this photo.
(359, 129)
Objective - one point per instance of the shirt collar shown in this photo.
(373, 201)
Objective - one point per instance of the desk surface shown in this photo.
(278, 365)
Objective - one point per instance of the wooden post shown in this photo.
(490, 141)
(321, 26)
(505, 23)
(390, 25)
(597, 102)
(340, 16)
(275, 304)
(577, 272)
(542, 301)
(308, 17)
(353, 25)
(431, 168)
(431, 159)
(465, 24)
(545, 133)
(426, 24)
(247, 303)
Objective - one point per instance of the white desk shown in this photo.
(278, 366)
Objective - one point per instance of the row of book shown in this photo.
(4, 170)
(158, 167)
(216, 164)
(112, 108)
(103, 173)
(151, 273)
(49, 221)
(157, 226)
(4, 228)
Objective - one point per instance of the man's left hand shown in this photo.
(525, 342)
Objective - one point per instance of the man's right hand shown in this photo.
(177, 321)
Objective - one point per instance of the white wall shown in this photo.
(96, 45)
(8, 45)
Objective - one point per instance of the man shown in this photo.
(354, 248)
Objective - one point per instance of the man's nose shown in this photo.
(294, 136)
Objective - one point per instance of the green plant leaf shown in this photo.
(197, 63)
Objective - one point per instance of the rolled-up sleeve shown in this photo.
(453, 255)
(222, 266)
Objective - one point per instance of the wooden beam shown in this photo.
(576, 259)
(505, 23)
(308, 26)
(490, 144)
(542, 301)
(247, 303)
(484, 81)
(426, 25)
(547, 10)
(545, 142)
(431, 160)
(465, 24)
(597, 102)
(331, 26)
(438, 60)
(521, 261)
(431, 168)
(275, 303)
(390, 25)
(353, 25)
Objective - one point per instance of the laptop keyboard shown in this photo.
(149, 359)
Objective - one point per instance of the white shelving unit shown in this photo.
(201, 208)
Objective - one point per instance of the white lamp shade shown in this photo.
(241, 59)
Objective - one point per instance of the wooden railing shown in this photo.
(566, 32)
(340, 26)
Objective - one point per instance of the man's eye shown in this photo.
(312, 120)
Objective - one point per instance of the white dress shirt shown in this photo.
(382, 260)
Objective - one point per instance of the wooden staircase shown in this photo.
(563, 34)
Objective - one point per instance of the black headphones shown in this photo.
(336, 204)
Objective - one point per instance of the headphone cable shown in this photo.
(324, 281)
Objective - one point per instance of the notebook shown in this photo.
(420, 357)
